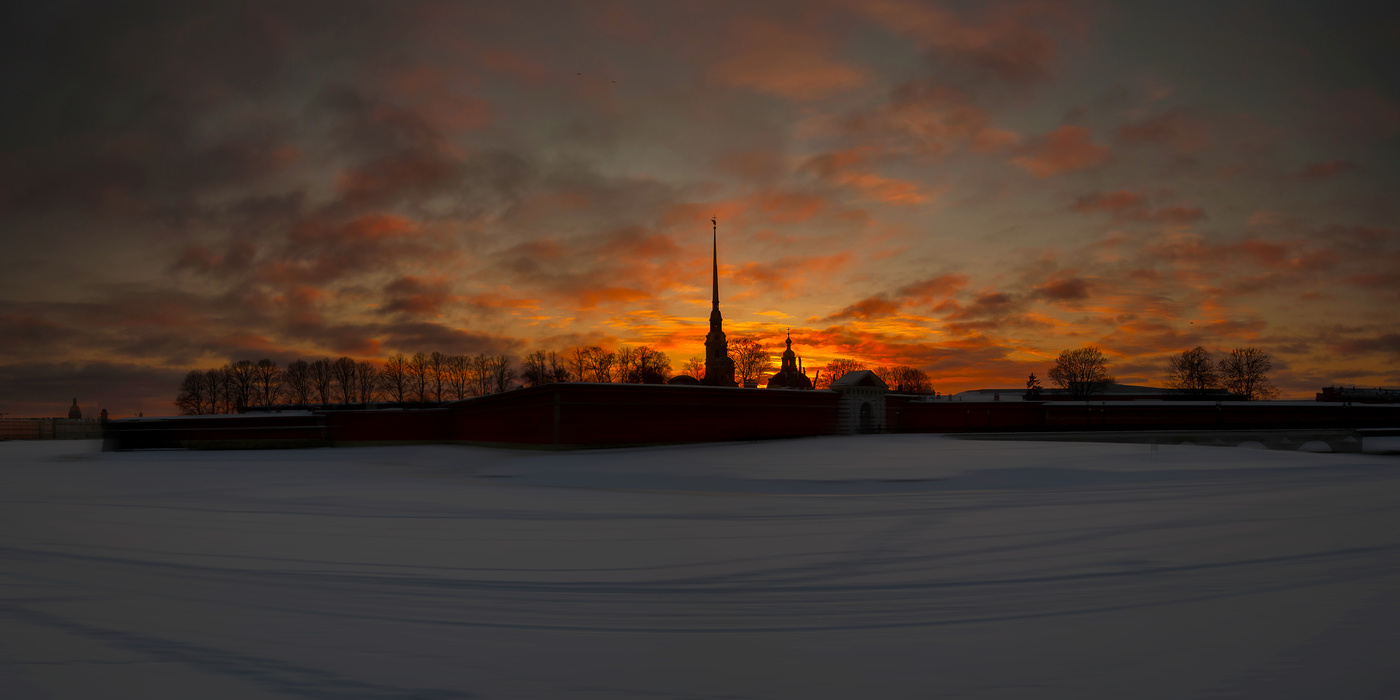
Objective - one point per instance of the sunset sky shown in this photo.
(964, 187)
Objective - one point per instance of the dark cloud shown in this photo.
(1386, 343)
(46, 389)
(868, 308)
(1072, 289)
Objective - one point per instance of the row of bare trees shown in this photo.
(1244, 373)
(900, 378)
(422, 377)
(626, 365)
(1083, 372)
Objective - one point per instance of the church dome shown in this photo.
(74, 412)
(790, 376)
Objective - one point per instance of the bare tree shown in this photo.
(646, 366)
(581, 362)
(366, 381)
(625, 364)
(1245, 372)
(835, 370)
(1082, 372)
(297, 383)
(603, 364)
(418, 377)
(906, 380)
(343, 374)
(1193, 370)
(216, 382)
(459, 376)
(437, 374)
(242, 383)
(559, 368)
(534, 369)
(751, 360)
(396, 380)
(501, 373)
(481, 374)
(194, 397)
(269, 382)
(322, 379)
(694, 367)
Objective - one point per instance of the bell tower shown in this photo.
(719, 367)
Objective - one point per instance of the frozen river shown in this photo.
(856, 567)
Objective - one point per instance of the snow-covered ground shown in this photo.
(909, 566)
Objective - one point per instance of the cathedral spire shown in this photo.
(714, 223)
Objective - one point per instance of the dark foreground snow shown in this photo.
(870, 567)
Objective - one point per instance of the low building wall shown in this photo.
(49, 429)
(577, 415)
(595, 415)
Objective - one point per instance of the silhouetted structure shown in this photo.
(790, 375)
(862, 406)
(75, 413)
(719, 367)
(1351, 394)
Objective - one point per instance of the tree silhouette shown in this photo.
(437, 374)
(534, 369)
(195, 397)
(367, 381)
(694, 367)
(647, 366)
(1193, 370)
(481, 374)
(1245, 373)
(217, 381)
(418, 377)
(751, 360)
(905, 380)
(502, 373)
(459, 376)
(296, 382)
(835, 369)
(603, 364)
(1082, 372)
(344, 378)
(242, 382)
(322, 379)
(269, 382)
(1033, 388)
(396, 378)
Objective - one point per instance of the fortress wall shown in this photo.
(583, 414)
(601, 415)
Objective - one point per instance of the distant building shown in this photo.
(1352, 394)
(75, 413)
(719, 367)
(790, 376)
(861, 408)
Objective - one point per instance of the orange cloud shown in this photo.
(1126, 205)
(416, 296)
(1175, 129)
(925, 118)
(1066, 149)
